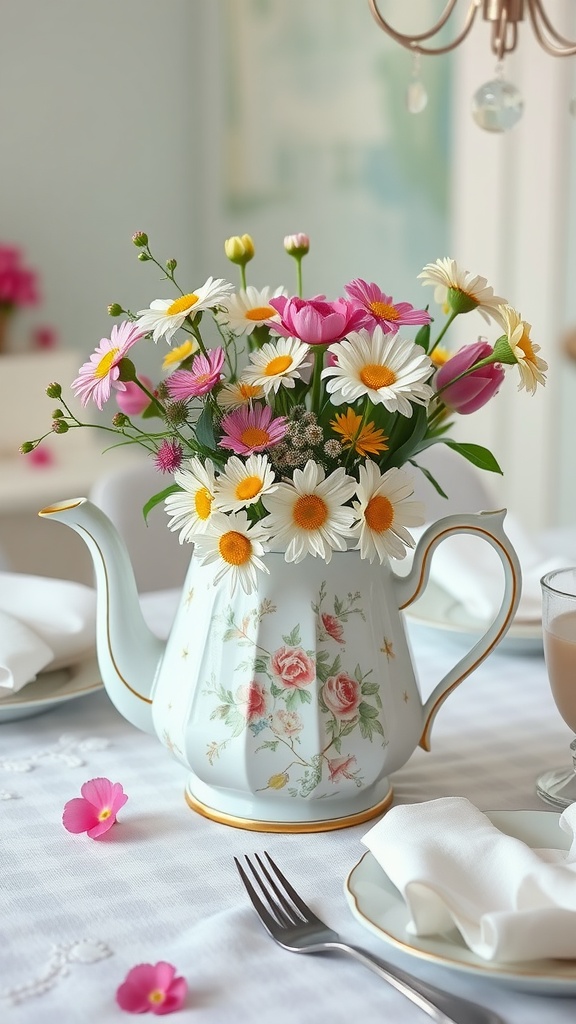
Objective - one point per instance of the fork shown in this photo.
(293, 925)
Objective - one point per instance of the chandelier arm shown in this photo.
(501, 30)
(560, 46)
(413, 42)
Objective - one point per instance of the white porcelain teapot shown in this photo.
(290, 706)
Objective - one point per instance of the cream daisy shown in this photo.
(464, 292)
(276, 364)
(517, 347)
(384, 511)
(309, 515)
(232, 396)
(243, 483)
(386, 368)
(191, 508)
(165, 316)
(236, 547)
(249, 308)
(101, 373)
(178, 354)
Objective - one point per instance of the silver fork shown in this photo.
(291, 923)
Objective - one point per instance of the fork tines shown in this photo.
(286, 911)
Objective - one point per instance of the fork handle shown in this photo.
(442, 1006)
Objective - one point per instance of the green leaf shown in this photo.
(367, 711)
(205, 428)
(423, 337)
(305, 697)
(156, 499)
(292, 639)
(369, 689)
(476, 454)
(431, 479)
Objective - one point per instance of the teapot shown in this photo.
(292, 705)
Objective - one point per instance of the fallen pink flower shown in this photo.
(152, 987)
(96, 810)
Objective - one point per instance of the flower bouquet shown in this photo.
(289, 422)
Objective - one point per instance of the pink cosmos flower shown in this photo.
(152, 987)
(133, 401)
(474, 390)
(168, 457)
(381, 309)
(95, 811)
(99, 375)
(316, 321)
(202, 378)
(248, 430)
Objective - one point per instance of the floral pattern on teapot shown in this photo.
(273, 704)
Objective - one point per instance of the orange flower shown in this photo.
(365, 440)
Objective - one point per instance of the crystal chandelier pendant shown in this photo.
(497, 105)
(416, 95)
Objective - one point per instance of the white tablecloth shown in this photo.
(76, 914)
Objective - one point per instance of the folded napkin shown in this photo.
(467, 569)
(44, 624)
(454, 868)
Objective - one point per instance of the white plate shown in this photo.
(50, 689)
(379, 906)
(437, 609)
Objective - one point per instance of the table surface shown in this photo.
(76, 914)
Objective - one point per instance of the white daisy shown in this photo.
(383, 512)
(309, 515)
(191, 508)
(463, 291)
(389, 370)
(232, 396)
(522, 350)
(243, 483)
(249, 308)
(236, 546)
(277, 363)
(165, 316)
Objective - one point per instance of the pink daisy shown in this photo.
(168, 457)
(95, 811)
(248, 430)
(202, 378)
(100, 374)
(152, 987)
(382, 309)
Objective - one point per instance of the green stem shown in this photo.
(243, 275)
(450, 319)
(319, 351)
(299, 276)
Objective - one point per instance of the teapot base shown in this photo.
(373, 802)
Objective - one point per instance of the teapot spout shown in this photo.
(128, 652)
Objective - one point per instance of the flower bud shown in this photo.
(114, 309)
(171, 265)
(140, 239)
(60, 426)
(57, 414)
(120, 420)
(297, 245)
(278, 781)
(27, 447)
(143, 257)
(239, 249)
(475, 386)
(54, 390)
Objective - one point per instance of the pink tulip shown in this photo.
(133, 401)
(477, 387)
(316, 321)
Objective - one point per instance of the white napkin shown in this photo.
(454, 868)
(44, 624)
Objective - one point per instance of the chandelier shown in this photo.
(497, 105)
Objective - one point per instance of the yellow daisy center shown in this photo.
(104, 814)
(277, 365)
(106, 363)
(248, 488)
(203, 503)
(253, 437)
(248, 391)
(383, 310)
(440, 355)
(176, 355)
(310, 512)
(376, 376)
(260, 313)
(156, 996)
(235, 548)
(182, 304)
(379, 513)
(526, 347)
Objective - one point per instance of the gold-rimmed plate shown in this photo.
(50, 689)
(379, 906)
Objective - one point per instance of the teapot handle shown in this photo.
(489, 527)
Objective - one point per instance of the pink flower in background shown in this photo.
(381, 309)
(41, 457)
(133, 401)
(254, 700)
(100, 374)
(44, 338)
(152, 987)
(293, 667)
(474, 390)
(169, 456)
(247, 430)
(18, 286)
(341, 695)
(316, 321)
(333, 627)
(95, 811)
(205, 374)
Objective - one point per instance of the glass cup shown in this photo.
(558, 786)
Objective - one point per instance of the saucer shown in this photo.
(378, 905)
(50, 689)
